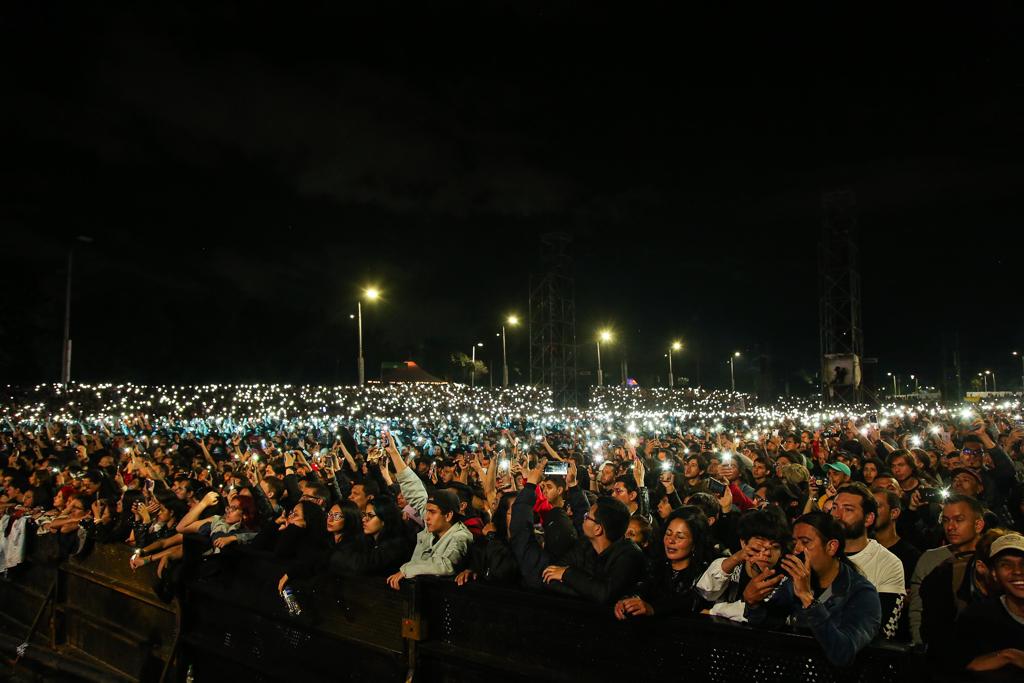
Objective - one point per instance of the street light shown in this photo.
(676, 346)
(895, 390)
(989, 372)
(1021, 356)
(65, 365)
(984, 378)
(371, 294)
(472, 373)
(513, 321)
(732, 369)
(916, 385)
(602, 336)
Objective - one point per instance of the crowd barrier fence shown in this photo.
(93, 618)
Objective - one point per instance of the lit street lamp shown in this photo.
(603, 336)
(676, 346)
(895, 379)
(989, 372)
(472, 372)
(513, 321)
(732, 368)
(1021, 356)
(371, 294)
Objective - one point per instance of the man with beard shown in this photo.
(856, 509)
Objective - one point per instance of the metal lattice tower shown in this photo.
(839, 306)
(553, 321)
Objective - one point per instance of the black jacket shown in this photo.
(493, 561)
(672, 592)
(369, 557)
(606, 577)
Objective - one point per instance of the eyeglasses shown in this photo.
(334, 516)
(368, 515)
(588, 516)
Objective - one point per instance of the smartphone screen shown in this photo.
(557, 467)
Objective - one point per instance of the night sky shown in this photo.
(242, 173)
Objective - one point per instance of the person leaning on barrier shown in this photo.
(604, 564)
(443, 544)
(820, 589)
(763, 535)
(491, 559)
(685, 557)
(383, 547)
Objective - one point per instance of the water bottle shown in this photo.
(291, 601)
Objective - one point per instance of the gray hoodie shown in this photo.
(430, 557)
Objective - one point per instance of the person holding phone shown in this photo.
(820, 590)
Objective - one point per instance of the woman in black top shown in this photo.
(687, 554)
(384, 547)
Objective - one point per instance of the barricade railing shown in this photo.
(356, 628)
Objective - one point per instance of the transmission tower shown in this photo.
(839, 305)
(553, 320)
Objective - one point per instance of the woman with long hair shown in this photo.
(385, 544)
(687, 554)
(491, 558)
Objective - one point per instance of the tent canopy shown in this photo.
(406, 371)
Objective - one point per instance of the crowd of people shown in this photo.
(900, 523)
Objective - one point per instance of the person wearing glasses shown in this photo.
(602, 566)
(764, 536)
(384, 543)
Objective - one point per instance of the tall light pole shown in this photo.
(916, 384)
(676, 346)
(1021, 356)
(371, 294)
(984, 378)
(472, 372)
(513, 321)
(895, 389)
(989, 372)
(65, 361)
(603, 336)
(732, 368)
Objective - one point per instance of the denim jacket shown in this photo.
(847, 621)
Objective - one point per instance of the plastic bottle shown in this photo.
(291, 601)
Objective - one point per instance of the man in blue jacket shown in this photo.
(819, 590)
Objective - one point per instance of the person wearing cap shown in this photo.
(838, 474)
(967, 482)
(989, 635)
(443, 543)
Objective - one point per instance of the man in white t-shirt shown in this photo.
(856, 509)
